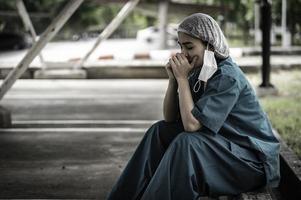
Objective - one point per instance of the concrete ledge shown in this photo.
(261, 195)
(266, 91)
(275, 50)
(290, 169)
(5, 118)
(28, 74)
(126, 72)
(60, 74)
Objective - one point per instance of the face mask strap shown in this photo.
(197, 86)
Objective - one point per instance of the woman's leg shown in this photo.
(143, 164)
(197, 164)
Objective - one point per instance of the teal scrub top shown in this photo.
(228, 106)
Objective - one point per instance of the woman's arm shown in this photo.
(186, 104)
(181, 68)
(171, 102)
(170, 105)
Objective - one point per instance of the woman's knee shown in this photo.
(163, 126)
(159, 123)
(155, 128)
(186, 139)
(165, 131)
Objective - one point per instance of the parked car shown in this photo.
(14, 41)
(151, 35)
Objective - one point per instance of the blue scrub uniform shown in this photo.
(235, 150)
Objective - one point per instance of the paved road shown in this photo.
(71, 139)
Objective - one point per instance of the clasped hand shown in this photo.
(180, 65)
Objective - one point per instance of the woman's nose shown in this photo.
(184, 52)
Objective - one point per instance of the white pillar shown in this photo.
(28, 25)
(285, 35)
(163, 11)
(257, 30)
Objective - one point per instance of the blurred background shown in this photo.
(238, 19)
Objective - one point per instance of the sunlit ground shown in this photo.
(284, 109)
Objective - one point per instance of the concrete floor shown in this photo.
(71, 139)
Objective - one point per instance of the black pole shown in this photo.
(266, 21)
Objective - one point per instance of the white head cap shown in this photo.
(204, 27)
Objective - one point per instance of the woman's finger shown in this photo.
(172, 63)
(174, 67)
(183, 57)
(179, 57)
(175, 60)
(168, 65)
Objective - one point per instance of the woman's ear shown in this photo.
(210, 47)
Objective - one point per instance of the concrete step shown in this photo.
(24, 124)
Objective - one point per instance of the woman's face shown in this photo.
(191, 47)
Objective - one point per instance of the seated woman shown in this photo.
(215, 139)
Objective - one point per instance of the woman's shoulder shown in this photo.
(227, 67)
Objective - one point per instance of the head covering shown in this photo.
(204, 27)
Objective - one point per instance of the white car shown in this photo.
(151, 36)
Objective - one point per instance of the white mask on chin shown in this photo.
(208, 69)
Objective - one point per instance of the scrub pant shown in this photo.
(170, 164)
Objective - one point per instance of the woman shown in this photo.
(215, 139)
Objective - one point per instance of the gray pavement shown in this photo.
(71, 139)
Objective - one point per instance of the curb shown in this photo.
(290, 170)
(5, 118)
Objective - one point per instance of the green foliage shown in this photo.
(293, 17)
(92, 16)
(15, 24)
(285, 117)
(284, 110)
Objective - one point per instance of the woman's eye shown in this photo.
(189, 48)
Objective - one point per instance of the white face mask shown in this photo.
(208, 69)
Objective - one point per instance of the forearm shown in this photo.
(170, 104)
(186, 104)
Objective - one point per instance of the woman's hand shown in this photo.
(170, 74)
(181, 66)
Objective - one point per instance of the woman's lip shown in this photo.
(190, 59)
